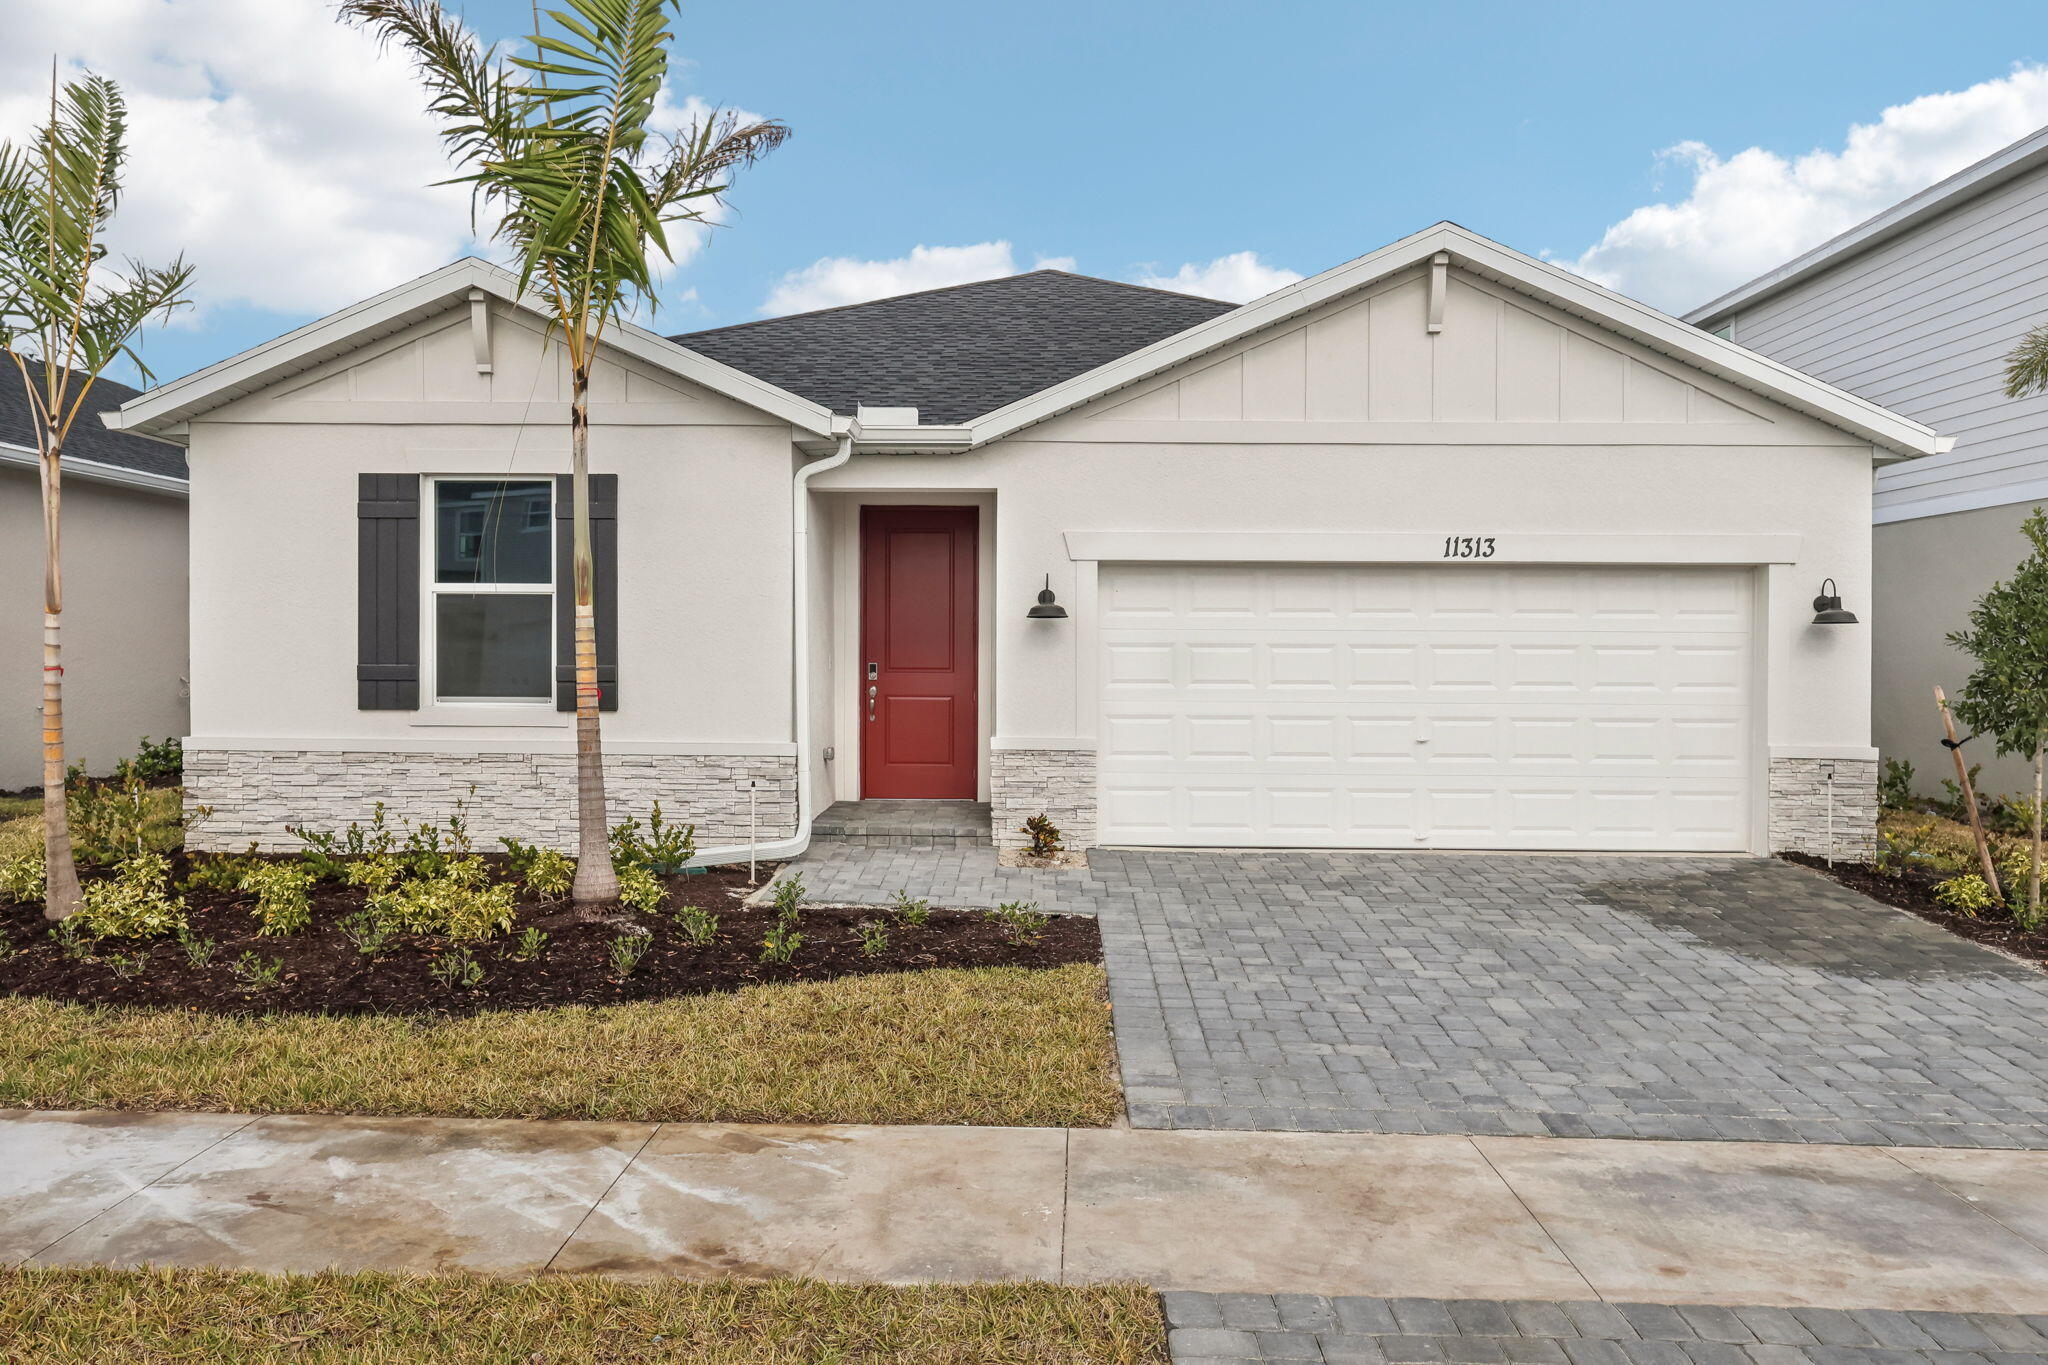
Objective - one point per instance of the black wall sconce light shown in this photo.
(1827, 608)
(1047, 609)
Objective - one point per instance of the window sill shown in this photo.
(539, 715)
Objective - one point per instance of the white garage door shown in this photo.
(1402, 706)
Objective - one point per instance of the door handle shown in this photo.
(871, 701)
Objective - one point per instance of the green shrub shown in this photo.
(1968, 894)
(458, 971)
(461, 904)
(374, 874)
(154, 762)
(329, 856)
(134, 903)
(640, 889)
(781, 942)
(219, 871)
(1895, 785)
(283, 902)
(532, 943)
(22, 877)
(699, 925)
(625, 953)
(664, 848)
(1022, 923)
(874, 938)
(551, 874)
(113, 821)
(911, 911)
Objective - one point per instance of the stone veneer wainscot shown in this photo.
(254, 794)
(1802, 795)
(1059, 783)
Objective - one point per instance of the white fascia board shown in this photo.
(96, 471)
(2005, 164)
(1538, 279)
(932, 440)
(163, 409)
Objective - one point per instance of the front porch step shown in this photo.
(904, 824)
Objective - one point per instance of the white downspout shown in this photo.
(845, 429)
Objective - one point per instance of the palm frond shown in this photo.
(2026, 365)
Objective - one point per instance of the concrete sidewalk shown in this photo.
(1331, 1214)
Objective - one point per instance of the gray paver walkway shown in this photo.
(1731, 998)
(1708, 998)
(1240, 1329)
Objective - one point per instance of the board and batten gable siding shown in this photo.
(1921, 324)
(703, 542)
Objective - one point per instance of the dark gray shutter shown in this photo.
(604, 553)
(388, 592)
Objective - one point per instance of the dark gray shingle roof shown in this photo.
(90, 439)
(955, 353)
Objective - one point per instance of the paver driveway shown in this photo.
(1580, 996)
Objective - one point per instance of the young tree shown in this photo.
(2007, 696)
(65, 315)
(556, 147)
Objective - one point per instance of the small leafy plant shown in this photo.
(155, 761)
(461, 904)
(458, 971)
(22, 877)
(256, 972)
(625, 953)
(1022, 922)
(127, 966)
(1044, 836)
(1895, 785)
(550, 874)
(218, 871)
(198, 951)
(789, 896)
(329, 855)
(874, 938)
(698, 925)
(377, 873)
(71, 940)
(364, 933)
(909, 910)
(529, 946)
(1968, 894)
(640, 889)
(134, 903)
(284, 902)
(780, 943)
(663, 849)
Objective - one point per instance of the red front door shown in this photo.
(917, 650)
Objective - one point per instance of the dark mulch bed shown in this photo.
(323, 973)
(1913, 891)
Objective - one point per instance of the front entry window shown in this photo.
(491, 589)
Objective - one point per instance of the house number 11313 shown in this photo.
(1468, 547)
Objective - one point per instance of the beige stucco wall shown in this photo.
(704, 534)
(1929, 572)
(124, 622)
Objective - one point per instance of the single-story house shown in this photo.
(1445, 547)
(124, 587)
(1916, 309)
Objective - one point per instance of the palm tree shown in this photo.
(556, 147)
(65, 315)
(2026, 365)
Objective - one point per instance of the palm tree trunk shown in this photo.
(62, 898)
(597, 883)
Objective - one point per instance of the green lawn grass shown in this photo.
(153, 1317)
(1003, 1045)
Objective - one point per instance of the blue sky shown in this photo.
(1138, 140)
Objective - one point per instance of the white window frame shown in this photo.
(431, 589)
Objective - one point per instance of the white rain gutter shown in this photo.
(844, 429)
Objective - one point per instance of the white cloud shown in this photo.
(286, 155)
(1239, 277)
(834, 281)
(1755, 210)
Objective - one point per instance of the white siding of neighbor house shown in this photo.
(1921, 324)
(704, 649)
(124, 623)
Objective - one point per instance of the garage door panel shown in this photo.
(1483, 707)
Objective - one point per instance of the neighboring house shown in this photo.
(124, 587)
(1916, 309)
(1443, 548)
